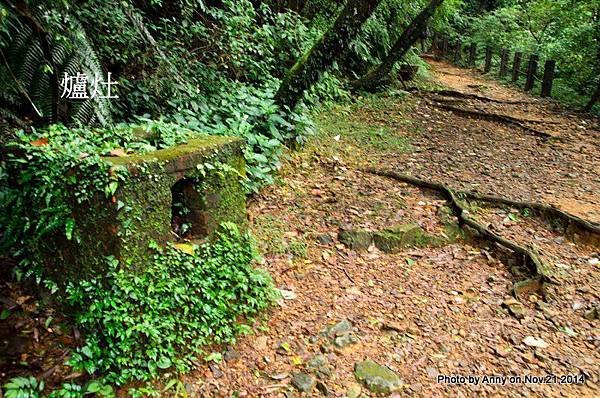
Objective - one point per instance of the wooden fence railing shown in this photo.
(442, 48)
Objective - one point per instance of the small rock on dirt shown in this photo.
(339, 329)
(231, 355)
(304, 382)
(393, 239)
(319, 364)
(547, 310)
(592, 314)
(515, 308)
(324, 239)
(377, 378)
(356, 239)
(535, 342)
(345, 340)
(217, 374)
(322, 388)
(501, 351)
(353, 391)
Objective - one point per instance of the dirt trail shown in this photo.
(422, 311)
(502, 159)
(427, 309)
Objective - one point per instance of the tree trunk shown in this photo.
(594, 99)
(330, 47)
(410, 35)
(596, 96)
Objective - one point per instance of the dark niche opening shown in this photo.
(188, 216)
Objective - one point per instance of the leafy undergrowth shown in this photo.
(138, 321)
(43, 171)
(156, 323)
(161, 317)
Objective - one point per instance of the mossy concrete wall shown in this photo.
(140, 210)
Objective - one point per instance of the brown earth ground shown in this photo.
(429, 310)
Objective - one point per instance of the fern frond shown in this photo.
(26, 59)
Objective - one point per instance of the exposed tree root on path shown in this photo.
(463, 95)
(548, 211)
(456, 100)
(494, 117)
(529, 255)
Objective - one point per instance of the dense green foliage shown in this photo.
(44, 170)
(138, 319)
(214, 71)
(141, 323)
(161, 317)
(567, 31)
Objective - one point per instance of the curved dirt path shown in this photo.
(427, 311)
(503, 159)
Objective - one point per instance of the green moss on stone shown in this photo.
(356, 239)
(393, 239)
(141, 209)
(377, 378)
(197, 146)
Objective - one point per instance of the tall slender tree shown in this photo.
(406, 40)
(596, 95)
(329, 48)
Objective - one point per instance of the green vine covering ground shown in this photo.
(162, 317)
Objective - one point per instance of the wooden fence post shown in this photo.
(458, 53)
(472, 54)
(516, 71)
(488, 60)
(444, 47)
(503, 63)
(531, 71)
(548, 78)
(434, 43)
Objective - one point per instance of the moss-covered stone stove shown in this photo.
(204, 175)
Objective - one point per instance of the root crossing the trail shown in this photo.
(463, 95)
(528, 256)
(494, 117)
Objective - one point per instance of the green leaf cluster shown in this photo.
(30, 387)
(48, 171)
(139, 324)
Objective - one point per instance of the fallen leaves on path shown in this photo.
(429, 311)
